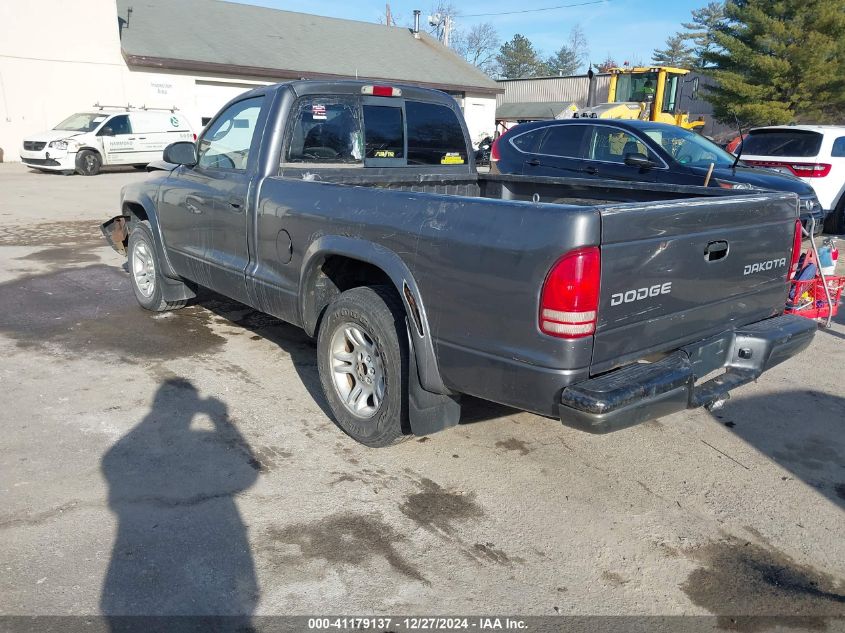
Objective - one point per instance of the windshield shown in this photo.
(82, 122)
(635, 87)
(689, 148)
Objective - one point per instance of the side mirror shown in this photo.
(106, 131)
(181, 153)
(639, 160)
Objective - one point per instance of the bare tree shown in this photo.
(478, 46)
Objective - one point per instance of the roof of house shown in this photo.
(534, 110)
(227, 38)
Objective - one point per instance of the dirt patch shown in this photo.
(92, 310)
(437, 509)
(738, 578)
(346, 539)
(514, 444)
(52, 234)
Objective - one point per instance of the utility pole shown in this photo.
(388, 18)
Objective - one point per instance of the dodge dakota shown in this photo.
(354, 211)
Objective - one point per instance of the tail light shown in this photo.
(494, 149)
(802, 170)
(381, 91)
(570, 298)
(195, 137)
(796, 250)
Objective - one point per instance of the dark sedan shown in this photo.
(636, 150)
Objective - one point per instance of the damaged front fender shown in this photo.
(116, 232)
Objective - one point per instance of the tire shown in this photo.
(835, 222)
(88, 163)
(140, 167)
(362, 335)
(145, 271)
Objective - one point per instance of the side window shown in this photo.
(325, 130)
(838, 150)
(384, 135)
(611, 145)
(528, 141)
(226, 143)
(435, 137)
(564, 140)
(118, 125)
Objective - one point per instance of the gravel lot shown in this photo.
(184, 463)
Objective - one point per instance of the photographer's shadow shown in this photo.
(181, 546)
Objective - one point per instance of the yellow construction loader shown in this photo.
(648, 93)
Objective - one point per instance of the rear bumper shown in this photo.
(641, 392)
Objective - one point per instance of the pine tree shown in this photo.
(517, 59)
(705, 22)
(675, 54)
(569, 57)
(779, 62)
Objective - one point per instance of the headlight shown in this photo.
(58, 144)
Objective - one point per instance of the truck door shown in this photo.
(118, 141)
(204, 208)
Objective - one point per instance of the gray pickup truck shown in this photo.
(354, 211)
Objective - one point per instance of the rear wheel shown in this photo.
(88, 163)
(835, 222)
(362, 358)
(145, 271)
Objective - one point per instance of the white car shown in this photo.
(87, 141)
(814, 153)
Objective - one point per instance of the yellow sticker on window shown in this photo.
(452, 158)
(385, 153)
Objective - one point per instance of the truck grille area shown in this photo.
(34, 146)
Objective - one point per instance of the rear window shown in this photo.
(435, 137)
(383, 132)
(325, 130)
(793, 143)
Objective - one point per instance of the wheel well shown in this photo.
(338, 274)
(135, 211)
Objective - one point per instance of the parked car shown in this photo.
(813, 153)
(87, 141)
(355, 212)
(637, 151)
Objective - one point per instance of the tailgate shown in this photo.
(676, 271)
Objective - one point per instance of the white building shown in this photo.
(59, 56)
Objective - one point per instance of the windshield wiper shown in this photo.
(741, 143)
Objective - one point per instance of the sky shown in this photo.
(623, 29)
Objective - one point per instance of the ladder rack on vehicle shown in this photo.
(128, 106)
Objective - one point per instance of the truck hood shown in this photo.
(52, 135)
(758, 177)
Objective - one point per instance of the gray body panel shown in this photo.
(473, 252)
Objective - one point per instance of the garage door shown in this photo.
(213, 96)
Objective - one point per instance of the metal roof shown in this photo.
(534, 110)
(228, 38)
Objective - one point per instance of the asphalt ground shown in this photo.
(184, 463)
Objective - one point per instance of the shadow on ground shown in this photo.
(803, 431)
(181, 546)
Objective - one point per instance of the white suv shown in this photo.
(814, 153)
(87, 141)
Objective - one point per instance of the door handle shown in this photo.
(534, 162)
(235, 202)
(591, 170)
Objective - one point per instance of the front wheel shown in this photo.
(362, 349)
(88, 163)
(145, 271)
(835, 222)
